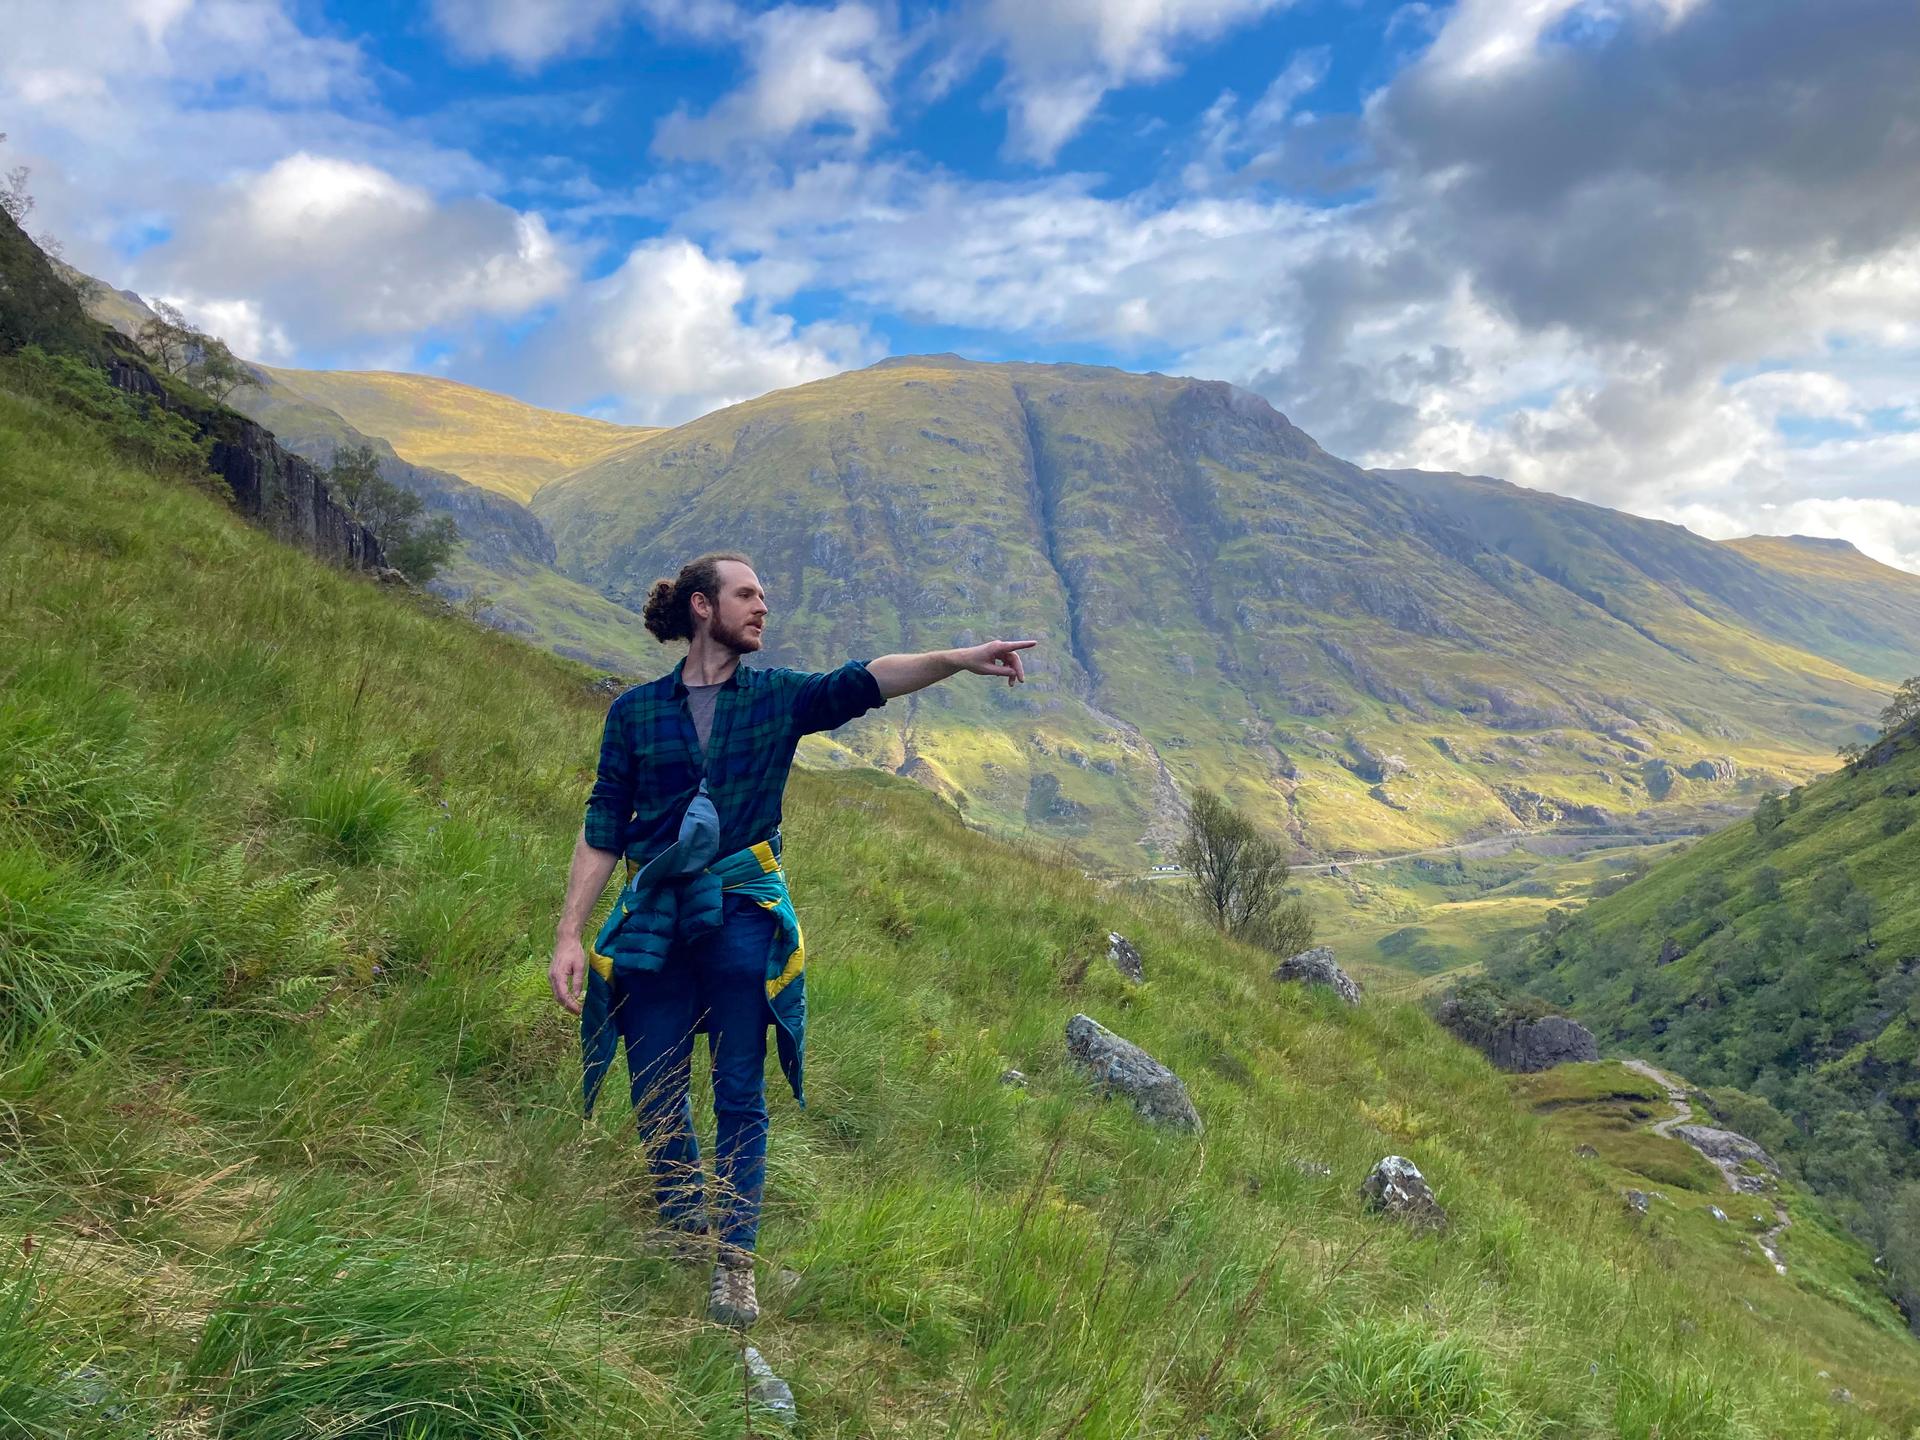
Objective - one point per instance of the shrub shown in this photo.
(136, 425)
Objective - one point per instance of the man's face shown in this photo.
(741, 615)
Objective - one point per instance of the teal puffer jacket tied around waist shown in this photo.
(674, 899)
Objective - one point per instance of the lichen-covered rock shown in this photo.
(1396, 1187)
(1637, 1200)
(1316, 967)
(1124, 955)
(1120, 1067)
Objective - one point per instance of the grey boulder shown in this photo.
(1124, 956)
(1120, 1067)
(1396, 1187)
(1316, 967)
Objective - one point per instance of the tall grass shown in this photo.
(293, 1125)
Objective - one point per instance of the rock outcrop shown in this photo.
(1120, 1067)
(270, 486)
(1730, 1151)
(1316, 967)
(277, 490)
(1397, 1188)
(1515, 1033)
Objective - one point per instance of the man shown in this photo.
(703, 937)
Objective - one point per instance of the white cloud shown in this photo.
(674, 333)
(809, 68)
(1063, 56)
(529, 33)
(331, 252)
(526, 33)
(89, 48)
(240, 323)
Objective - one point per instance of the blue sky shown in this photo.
(1661, 254)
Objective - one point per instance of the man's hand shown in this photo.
(568, 973)
(996, 657)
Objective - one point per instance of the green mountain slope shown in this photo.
(1368, 663)
(1782, 957)
(493, 441)
(288, 1122)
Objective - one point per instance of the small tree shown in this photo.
(167, 338)
(392, 514)
(1904, 707)
(1237, 877)
(191, 354)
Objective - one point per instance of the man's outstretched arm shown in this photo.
(903, 674)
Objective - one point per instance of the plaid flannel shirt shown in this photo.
(650, 763)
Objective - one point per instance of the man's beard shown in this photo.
(736, 640)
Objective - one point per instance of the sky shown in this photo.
(1663, 255)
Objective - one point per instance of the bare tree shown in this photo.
(15, 200)
(1236, 875)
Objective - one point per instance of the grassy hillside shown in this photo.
(289, 1128)
(490, 440)
(1880, 596)
(1781, 957)
(1355, 659)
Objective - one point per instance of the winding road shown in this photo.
(1729, 1170)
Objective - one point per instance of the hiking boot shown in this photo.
(730, 1300)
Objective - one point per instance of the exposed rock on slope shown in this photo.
(1515, 1032)
(1120, 1067)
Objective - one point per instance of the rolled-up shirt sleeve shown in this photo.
(610, 806)
(828, 699)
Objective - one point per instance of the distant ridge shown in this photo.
(490, 440)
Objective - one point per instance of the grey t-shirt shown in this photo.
(700, 700)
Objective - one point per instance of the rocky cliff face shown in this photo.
(271, 486)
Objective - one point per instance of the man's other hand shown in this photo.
(997, 657)
(568, 973)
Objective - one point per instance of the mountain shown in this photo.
(1688, 593)
(1371, 662)
(495, 442)
(282, 1083)
(1780, 957)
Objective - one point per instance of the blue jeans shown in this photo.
(717, 983)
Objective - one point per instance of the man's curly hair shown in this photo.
(669, 609)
